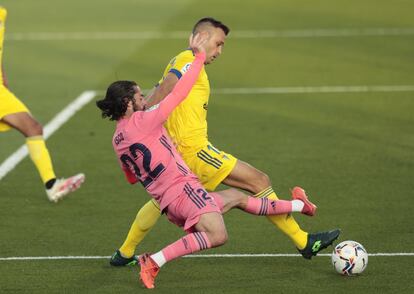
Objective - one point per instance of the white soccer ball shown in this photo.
(349, 258)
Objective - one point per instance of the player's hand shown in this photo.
(198, 41)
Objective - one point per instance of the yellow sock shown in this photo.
(40, 157)
(285, 222)
(146, 218)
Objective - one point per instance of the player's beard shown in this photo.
(134, 105)
(135, 108)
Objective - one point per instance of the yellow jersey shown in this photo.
(3, 15)
(187, 124)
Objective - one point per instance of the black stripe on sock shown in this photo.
(265, 193)
(201, 241)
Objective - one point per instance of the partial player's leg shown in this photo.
(201, 217)
(146, 218)
(248, 178)
(210, 232)
(213, 167)
(56, 189)
(209, 164)
(232, 198)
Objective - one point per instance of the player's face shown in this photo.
(140, 103)
(214, 45)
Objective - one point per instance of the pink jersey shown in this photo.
(145, 151)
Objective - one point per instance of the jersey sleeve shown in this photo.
(182, 88)
(181, 63)
(178, 65)
(159, 113)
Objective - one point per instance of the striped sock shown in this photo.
(189, 244)
(285, 222)
(265, 206)
(266, 192)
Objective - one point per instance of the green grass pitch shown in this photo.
(353, 152)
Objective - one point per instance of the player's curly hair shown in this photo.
(213, 22)
(115, 103)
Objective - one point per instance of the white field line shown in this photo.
(60, 119)
(305, 90)
(248, 34)
(22, 258)
(321, 89)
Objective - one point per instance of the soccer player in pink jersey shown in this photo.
(146, 154)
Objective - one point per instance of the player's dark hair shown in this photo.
(115, 103)
(214, 22)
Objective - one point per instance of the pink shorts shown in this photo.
(185, 211)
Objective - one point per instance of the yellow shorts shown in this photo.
(210, 165)
(9, 104)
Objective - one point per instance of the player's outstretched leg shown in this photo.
(248, 178)
(210, 232)
(150, 265)
(230, 198)
(56, 189)
(318, 241)
(264, 206)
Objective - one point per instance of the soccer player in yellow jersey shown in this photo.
(14, 114)
(187, 126)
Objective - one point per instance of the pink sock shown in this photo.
(265, 206)
(189, 244)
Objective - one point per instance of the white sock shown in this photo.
(159, 258)
(297, 205)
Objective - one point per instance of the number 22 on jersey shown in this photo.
(130, 162)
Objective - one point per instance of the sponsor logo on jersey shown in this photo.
(205, 106)
(186, 67)
(152, 107)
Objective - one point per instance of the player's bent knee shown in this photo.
(223, 238)
(262, 182)
(38, 128)
(32, 128)
(218, 237)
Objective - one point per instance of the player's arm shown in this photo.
(178, 69)
(182, 88)
(162, 90)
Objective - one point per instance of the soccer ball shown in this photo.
(349, 258)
